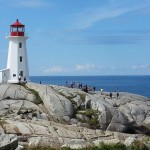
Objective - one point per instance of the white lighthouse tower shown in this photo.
(17, 62)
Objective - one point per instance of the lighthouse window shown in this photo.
(14, 75)
(20, 58)
(20, 45)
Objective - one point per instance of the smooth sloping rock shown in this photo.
(17, 105)
(8, 141)
(15, 91)
(56, 104)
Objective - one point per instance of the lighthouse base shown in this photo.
(4, 75)
(12, 81)
(17, 81)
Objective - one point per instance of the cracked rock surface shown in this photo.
(69, 116)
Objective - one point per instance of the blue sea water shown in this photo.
(132, 84)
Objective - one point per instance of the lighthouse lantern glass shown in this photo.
(17, 29)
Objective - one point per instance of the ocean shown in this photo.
(132, 84)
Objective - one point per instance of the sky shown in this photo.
(81, 37)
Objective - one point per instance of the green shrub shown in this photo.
(102, 146)
(47, 148)
(40, 148)
(89, 112)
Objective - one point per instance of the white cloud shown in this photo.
(89, 17)
(139, 66)
(93, 69)
(80, 68)
(55, 69)
(113, 67)
(86, 67)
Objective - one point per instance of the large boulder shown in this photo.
(137, 110)
(56, 105)
(119, 123)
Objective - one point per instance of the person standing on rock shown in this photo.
(110, 95)
(19, 78)
(25, 80)
(117, 94)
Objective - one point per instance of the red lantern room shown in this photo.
(17, 29)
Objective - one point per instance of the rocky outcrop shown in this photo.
(59, 116)
(126, 113)
(49, 133)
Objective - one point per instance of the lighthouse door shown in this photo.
(21, 73)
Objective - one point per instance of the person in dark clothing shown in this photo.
(94, 88)
(24, 79)
(117, 94)
(86, 88)
(111, 95)
(81, 85)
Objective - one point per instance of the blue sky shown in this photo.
(81, 37)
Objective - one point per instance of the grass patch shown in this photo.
(92, 115)
(47, 148)
(146, 139)
(69, 97)
(138, 145)
(38, 98)
(102, 146)
(118, 146)
(2, 122)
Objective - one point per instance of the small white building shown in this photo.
(17, 61)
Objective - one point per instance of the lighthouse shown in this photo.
(17, 61)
